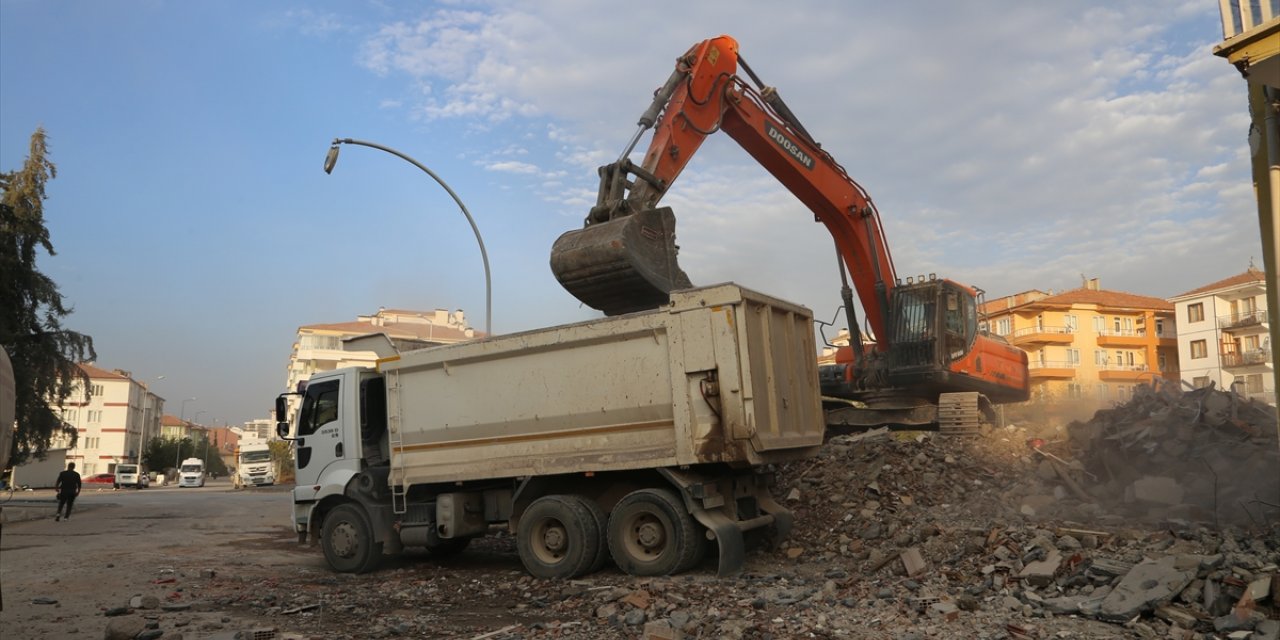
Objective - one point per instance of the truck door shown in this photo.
(320, 437)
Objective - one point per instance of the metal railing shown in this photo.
(1053, 364)
(1243, 319)
(1113, 366)
(1123, 333)
(1027, 331)
(1247, 358)
(1241, 16)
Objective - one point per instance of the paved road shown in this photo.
(118, 544)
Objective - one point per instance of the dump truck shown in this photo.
(639, 437)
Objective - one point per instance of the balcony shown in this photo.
(1246, 322)
(1042, 335)
(1051, 370)
(1254, 358)
(1122, 338)
(1125, 372)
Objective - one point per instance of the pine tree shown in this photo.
(44, 355)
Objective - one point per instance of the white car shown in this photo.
(131, 475)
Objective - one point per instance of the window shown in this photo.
(70, 415)
(1115, 324)
(319, 407)
(1199, 349)
(1100, 357)
(1253, 383)
(1070, 323)
(1200, 382)
(94, 416)
(1164, 362)
(1074, 390)
(1073, 357)
(1099, 325)
(1250, 343)
(1195, 312)
(1128, 325)
(1160, 327)
(95, 390)
(1004, 326)
(1102, 391)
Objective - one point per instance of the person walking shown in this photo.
(68, 487)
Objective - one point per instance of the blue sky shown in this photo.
(1007, 145)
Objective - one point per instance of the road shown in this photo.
(160, 541)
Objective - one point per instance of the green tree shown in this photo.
(44, 355)
(282, 460)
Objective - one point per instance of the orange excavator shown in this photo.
(928, 360)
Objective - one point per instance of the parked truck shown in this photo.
(254, 467)
(191, 473)
(640, 436)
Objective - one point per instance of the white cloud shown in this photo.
(1023, 146)
(512, 167)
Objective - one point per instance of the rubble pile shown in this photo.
(1203, 455)
(896, 537)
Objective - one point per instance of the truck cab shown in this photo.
(254, 467)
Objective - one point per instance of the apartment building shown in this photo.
(1224, 336)
(325, 347)
(114, 420)
(1087, 348)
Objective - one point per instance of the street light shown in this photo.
(331, 159)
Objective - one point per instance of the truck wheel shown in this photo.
(347, 540)
(651, 534)
(602, 532)
(557, 538)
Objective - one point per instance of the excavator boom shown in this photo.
(927, 340)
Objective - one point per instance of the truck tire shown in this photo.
(651, 534)
(602, 532)
(347, 540)
(557, 538)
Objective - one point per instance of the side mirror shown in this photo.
(282, 417)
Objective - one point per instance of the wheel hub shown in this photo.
(555, 539)
(345, 541)
(651, 535)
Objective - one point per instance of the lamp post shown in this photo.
(332, 159)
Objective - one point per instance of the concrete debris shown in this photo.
(895, 536)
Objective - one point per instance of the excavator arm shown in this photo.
(929, 344)
(624, 258)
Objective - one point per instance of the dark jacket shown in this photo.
(68, 483)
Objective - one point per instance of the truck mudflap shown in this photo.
(729, 507)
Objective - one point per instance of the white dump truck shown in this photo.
(191, 473)
(640, 437)
(253, 465)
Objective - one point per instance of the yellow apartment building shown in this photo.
(1087, 348)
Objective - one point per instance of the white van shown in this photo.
(191, 473)
(132, 475)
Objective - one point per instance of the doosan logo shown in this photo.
(790, 147)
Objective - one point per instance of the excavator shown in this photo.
(926, 361)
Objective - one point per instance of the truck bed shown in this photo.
(721, 375)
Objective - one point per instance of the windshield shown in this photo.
(190, 468)
(255, 456)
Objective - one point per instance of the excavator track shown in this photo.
(961, 414)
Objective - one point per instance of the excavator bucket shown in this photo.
(624, 265)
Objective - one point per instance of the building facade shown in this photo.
(325, 347)
(1224, 336)
(1087, 348)
(113, 420)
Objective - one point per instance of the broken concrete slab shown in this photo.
(913, 562)
(1148, 584)
(1040, 572)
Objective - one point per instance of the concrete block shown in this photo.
(914, 562)
(1040, 572)
(1148, 584)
